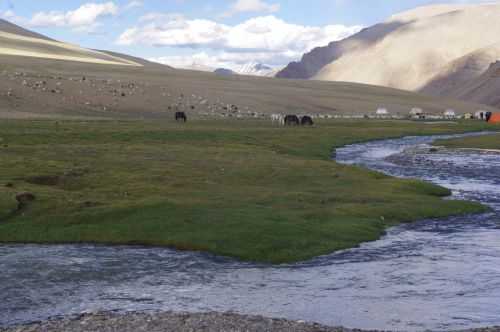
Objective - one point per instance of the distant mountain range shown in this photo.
(257, 69)
(440, 50)
(249, 69)
(224, 72)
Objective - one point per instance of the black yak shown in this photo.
(180, 116)
(292, 120)
(306, 121)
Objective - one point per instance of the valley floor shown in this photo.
(243, 189)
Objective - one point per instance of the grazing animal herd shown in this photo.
(284, 120)
(416, 113)
(292, 120)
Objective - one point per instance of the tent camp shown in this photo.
(382, 112)
(417, 113)
(450, 114)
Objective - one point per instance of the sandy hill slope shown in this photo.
(461, 71)
(17, 41)
(484, 89)
(6, 26)
(106, 85)
(319, 57)
(429, 49)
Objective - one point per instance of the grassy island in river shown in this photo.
(487, 142)
(237, 188)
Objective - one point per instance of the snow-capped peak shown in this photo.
(256, 69)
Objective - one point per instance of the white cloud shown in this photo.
(242, 6)
(9, 15)
(133, 4)
(84, 18)
(265, 39)
(199, 61)
(259, 34)
(234, 61)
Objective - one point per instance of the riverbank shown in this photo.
(182, 322)
(487, 143)
(243, 189)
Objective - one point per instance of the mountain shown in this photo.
(430, 49)
(256, 69)
(17, 41)
(319, 57)
(6, 26)
(483, 89)
(44, 78)
(461, 71)
(249, 69)
(224, 72)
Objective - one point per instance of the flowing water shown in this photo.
(433, 274)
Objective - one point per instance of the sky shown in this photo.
(205, 34)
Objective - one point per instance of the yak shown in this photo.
(180, 116)
(306, 121)
(292, 120)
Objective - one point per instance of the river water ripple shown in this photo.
(432, 274)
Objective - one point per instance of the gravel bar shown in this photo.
(179, 322)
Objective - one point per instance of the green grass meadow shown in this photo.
(235, 188)
(487, 142)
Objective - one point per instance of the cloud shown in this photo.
(134, 4)
(259, 34)
(243, 6)
(84, 18)
(264, 39)
(199, 61)
(9, 15)
(230, 60)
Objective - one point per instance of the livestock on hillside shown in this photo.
(292, 120)
(278, 119)
(180, 116)
(306, 120)
(488, 116)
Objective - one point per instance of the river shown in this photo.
(433, 274)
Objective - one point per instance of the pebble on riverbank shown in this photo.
(171, 322)
(180, 322)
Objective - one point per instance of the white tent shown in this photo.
(382, 112)
(450, 114)
(416, 113)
